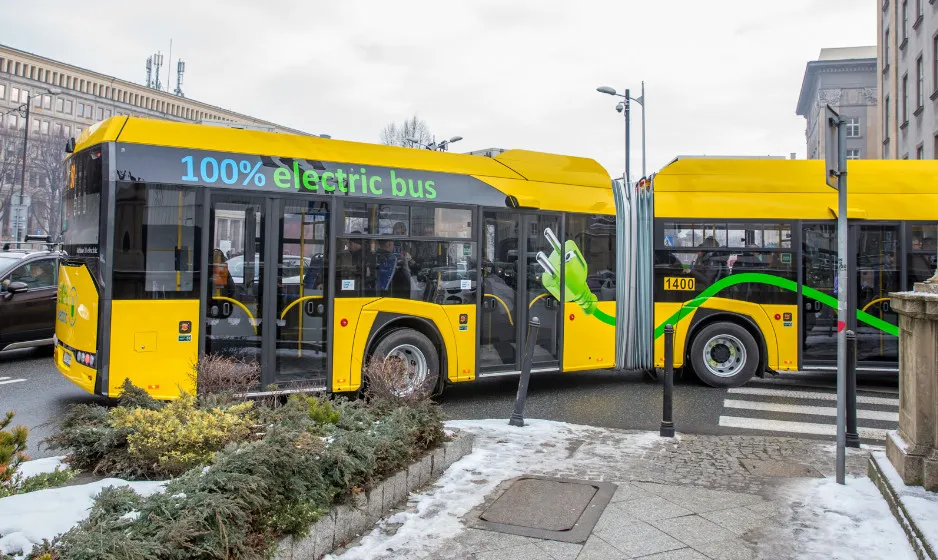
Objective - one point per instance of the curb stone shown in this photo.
(922, 550)
(345, 522)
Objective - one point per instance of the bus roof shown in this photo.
(795, 189)
(515, 172)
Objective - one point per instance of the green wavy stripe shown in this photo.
(604, 317)
(783, 283)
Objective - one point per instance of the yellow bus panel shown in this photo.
(146, 340)
(588, 343)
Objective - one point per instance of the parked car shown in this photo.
(28, 287)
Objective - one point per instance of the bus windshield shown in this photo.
(82, 200)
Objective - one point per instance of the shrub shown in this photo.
(179, 436)
(385, 380)
(142, 438)
(12, 452)
(222, 379)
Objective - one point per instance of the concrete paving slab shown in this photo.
(693, 530)
(598, 549)
(560, 550)
(680, 554)
(627, 491)
(653, 509)
(738, 521)
(640, 539)
(477, 540)
(768, 467)
(613, 518)
(735, 549)
(523, 552)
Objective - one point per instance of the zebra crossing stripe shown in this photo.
(7, 381)
(861, 399)
(812, 410)
(795, 427)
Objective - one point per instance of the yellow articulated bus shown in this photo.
(740, 256)
(308, 256)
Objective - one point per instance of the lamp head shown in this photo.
(606, 89)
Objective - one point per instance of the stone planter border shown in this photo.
(348, 521)
(920, 545)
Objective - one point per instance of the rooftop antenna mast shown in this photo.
(149, 71)
(180, 68)
(157, 63)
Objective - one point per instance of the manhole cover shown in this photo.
(547, 508)
(762, 467)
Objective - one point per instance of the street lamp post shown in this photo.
(623, 106)
(29, 98)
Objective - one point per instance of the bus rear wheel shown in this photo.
(412, 364)
(724, 355)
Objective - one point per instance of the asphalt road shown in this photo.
(798, 405)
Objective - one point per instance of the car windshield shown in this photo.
(7, 263)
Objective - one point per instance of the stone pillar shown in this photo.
(913, 448)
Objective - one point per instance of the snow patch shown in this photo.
(500, 452)
(834, 521)
(921, 505)
(40, 466)
(26, 519)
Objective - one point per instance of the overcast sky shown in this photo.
(722, 77)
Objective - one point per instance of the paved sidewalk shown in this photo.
(695, 497)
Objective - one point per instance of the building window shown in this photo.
(885, 49)
(920, 86)
(853, 127)
(3, 91)
(47, 102)
(68, 106)
(886, 118)
(905, 98)
(920, 11)
(45, 127)
(853, 153)
(67, 131)
(920, 152)
(936, 146)
(905, 20)
(36, 124)
(59, 104)
(14, 94)
(57, 129)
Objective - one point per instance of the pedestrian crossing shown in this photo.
(8, 380)
(792, 411)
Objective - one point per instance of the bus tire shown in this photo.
(420, 358)
(724, 355)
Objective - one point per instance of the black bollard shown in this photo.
(667, 423)
(852, 436)
(517, 416)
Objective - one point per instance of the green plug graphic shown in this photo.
(575, 272)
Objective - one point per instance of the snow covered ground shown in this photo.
(500, 452)
(922, 506)
(26, 519)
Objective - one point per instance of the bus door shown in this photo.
(301, 306)
(874, 272)
(234, 310)
(514, 290)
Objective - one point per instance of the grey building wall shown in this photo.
(849, 86)
(907, 34)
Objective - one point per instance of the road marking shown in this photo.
(795, 427)
(7, 380)
(815, 410)
(808, 395)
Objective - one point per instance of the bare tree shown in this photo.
(47, 167)
(401, 134)
(11, 154)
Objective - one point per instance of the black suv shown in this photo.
(28, 288)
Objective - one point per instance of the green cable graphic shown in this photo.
(577, 290)
(784, 283)
(575, 272)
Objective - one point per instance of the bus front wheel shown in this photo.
(412, 365)
(724, 355)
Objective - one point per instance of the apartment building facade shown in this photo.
(845, 79)
(907, 64)
(65, 100)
